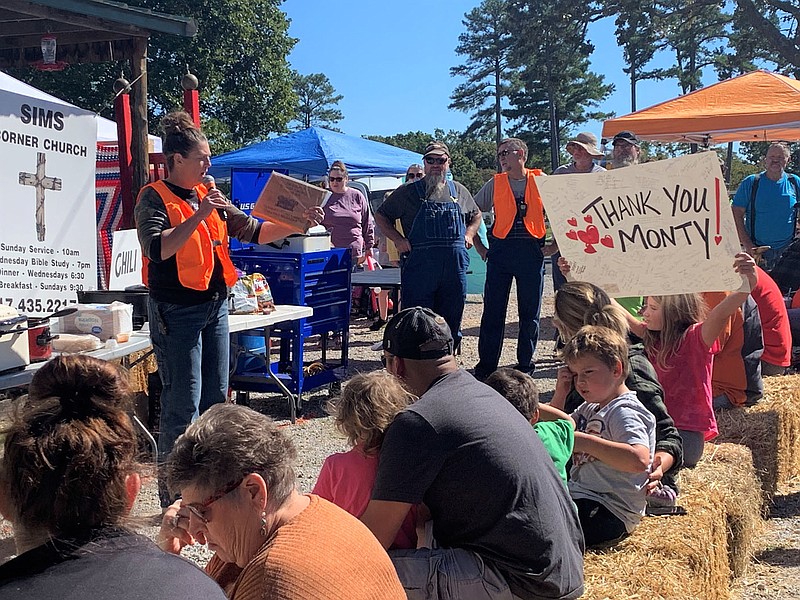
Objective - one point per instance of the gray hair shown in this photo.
(227, 443)
(783, 146)
(515, 144)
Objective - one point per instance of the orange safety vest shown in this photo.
(505, 206)
(195, 259)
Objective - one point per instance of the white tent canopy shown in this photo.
(106, 129)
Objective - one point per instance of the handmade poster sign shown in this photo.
(659, 228)
(285, 199)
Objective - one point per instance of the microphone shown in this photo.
(208, 181)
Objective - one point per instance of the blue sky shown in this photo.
(390, 60)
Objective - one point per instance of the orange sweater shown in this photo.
(323, 552)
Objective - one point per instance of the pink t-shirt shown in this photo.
(346, 479)
(687, 383)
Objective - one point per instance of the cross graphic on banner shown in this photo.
(41, 183)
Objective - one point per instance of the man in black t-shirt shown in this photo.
(502, 518)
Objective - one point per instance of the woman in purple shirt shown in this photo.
(347, 216)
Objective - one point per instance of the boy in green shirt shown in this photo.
(555, 428)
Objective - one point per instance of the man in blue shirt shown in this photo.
(766, 216)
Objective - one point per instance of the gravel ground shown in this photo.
(775, 573)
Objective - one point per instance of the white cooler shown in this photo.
(14, 353)
(316, 239)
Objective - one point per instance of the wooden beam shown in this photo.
(62, 39)
(36, 25)
(140, 156)
(72, 18)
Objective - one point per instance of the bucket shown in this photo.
(248, 351)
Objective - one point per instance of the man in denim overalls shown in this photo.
(440, 219)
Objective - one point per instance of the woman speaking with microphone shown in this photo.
(188, 270)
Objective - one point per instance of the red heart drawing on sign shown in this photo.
(717, 239)
(572, 234)
(589, 249)
(607, 241)
(572, 222)
(590, 236)
(587, 218)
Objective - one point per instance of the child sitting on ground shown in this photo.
(366, 408)
(555, 429)
(614, 438)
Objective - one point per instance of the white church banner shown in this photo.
(660, 228)
(48, 239)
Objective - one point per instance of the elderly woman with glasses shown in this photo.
(347, 216)
(235, 471)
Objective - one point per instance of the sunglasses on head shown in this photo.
(434, 160)
(415, 175)
(336, 179)
(503, 153)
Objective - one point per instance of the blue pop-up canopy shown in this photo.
(312, 151)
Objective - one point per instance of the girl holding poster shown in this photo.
(681, 345)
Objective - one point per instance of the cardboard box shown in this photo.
(102, 320)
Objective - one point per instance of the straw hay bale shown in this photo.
(668, 557)
(139, 373)
(771, 429)
(728, 468)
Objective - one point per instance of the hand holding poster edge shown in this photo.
(285, 200)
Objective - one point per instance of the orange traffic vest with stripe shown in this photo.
(505, 206)
(195, 259)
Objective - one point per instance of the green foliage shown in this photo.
(551, 49)
(317, 100)
(774, 25)
(485, 44)
(472, 158)
(636, 35)
(239, 56)
(690, 29)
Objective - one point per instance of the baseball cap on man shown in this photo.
(626, 136)
(587, 141)
(418, 334)
(436, 148)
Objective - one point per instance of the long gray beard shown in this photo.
(436, 187)
(625, 161)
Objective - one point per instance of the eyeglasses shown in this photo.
(432, 160)
(415, 175)
(198, 508)
(336, 179)
(503, 153)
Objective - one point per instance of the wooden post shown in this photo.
(191, 103)
(122, 115)
(140, 154)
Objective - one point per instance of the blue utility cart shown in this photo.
(320, 280)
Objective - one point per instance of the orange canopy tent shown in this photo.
(756, 106)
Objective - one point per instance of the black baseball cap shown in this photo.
(626, 136)
(417, 333)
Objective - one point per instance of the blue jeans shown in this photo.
(509, 260)
(192, 347)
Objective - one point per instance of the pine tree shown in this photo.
(485, 45)
(777, 23)
(317, 100)
(550, 46)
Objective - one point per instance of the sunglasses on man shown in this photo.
(504, 153)
(336, 179)
(433, 160)
(415, 176)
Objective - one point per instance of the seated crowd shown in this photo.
(456, 485)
